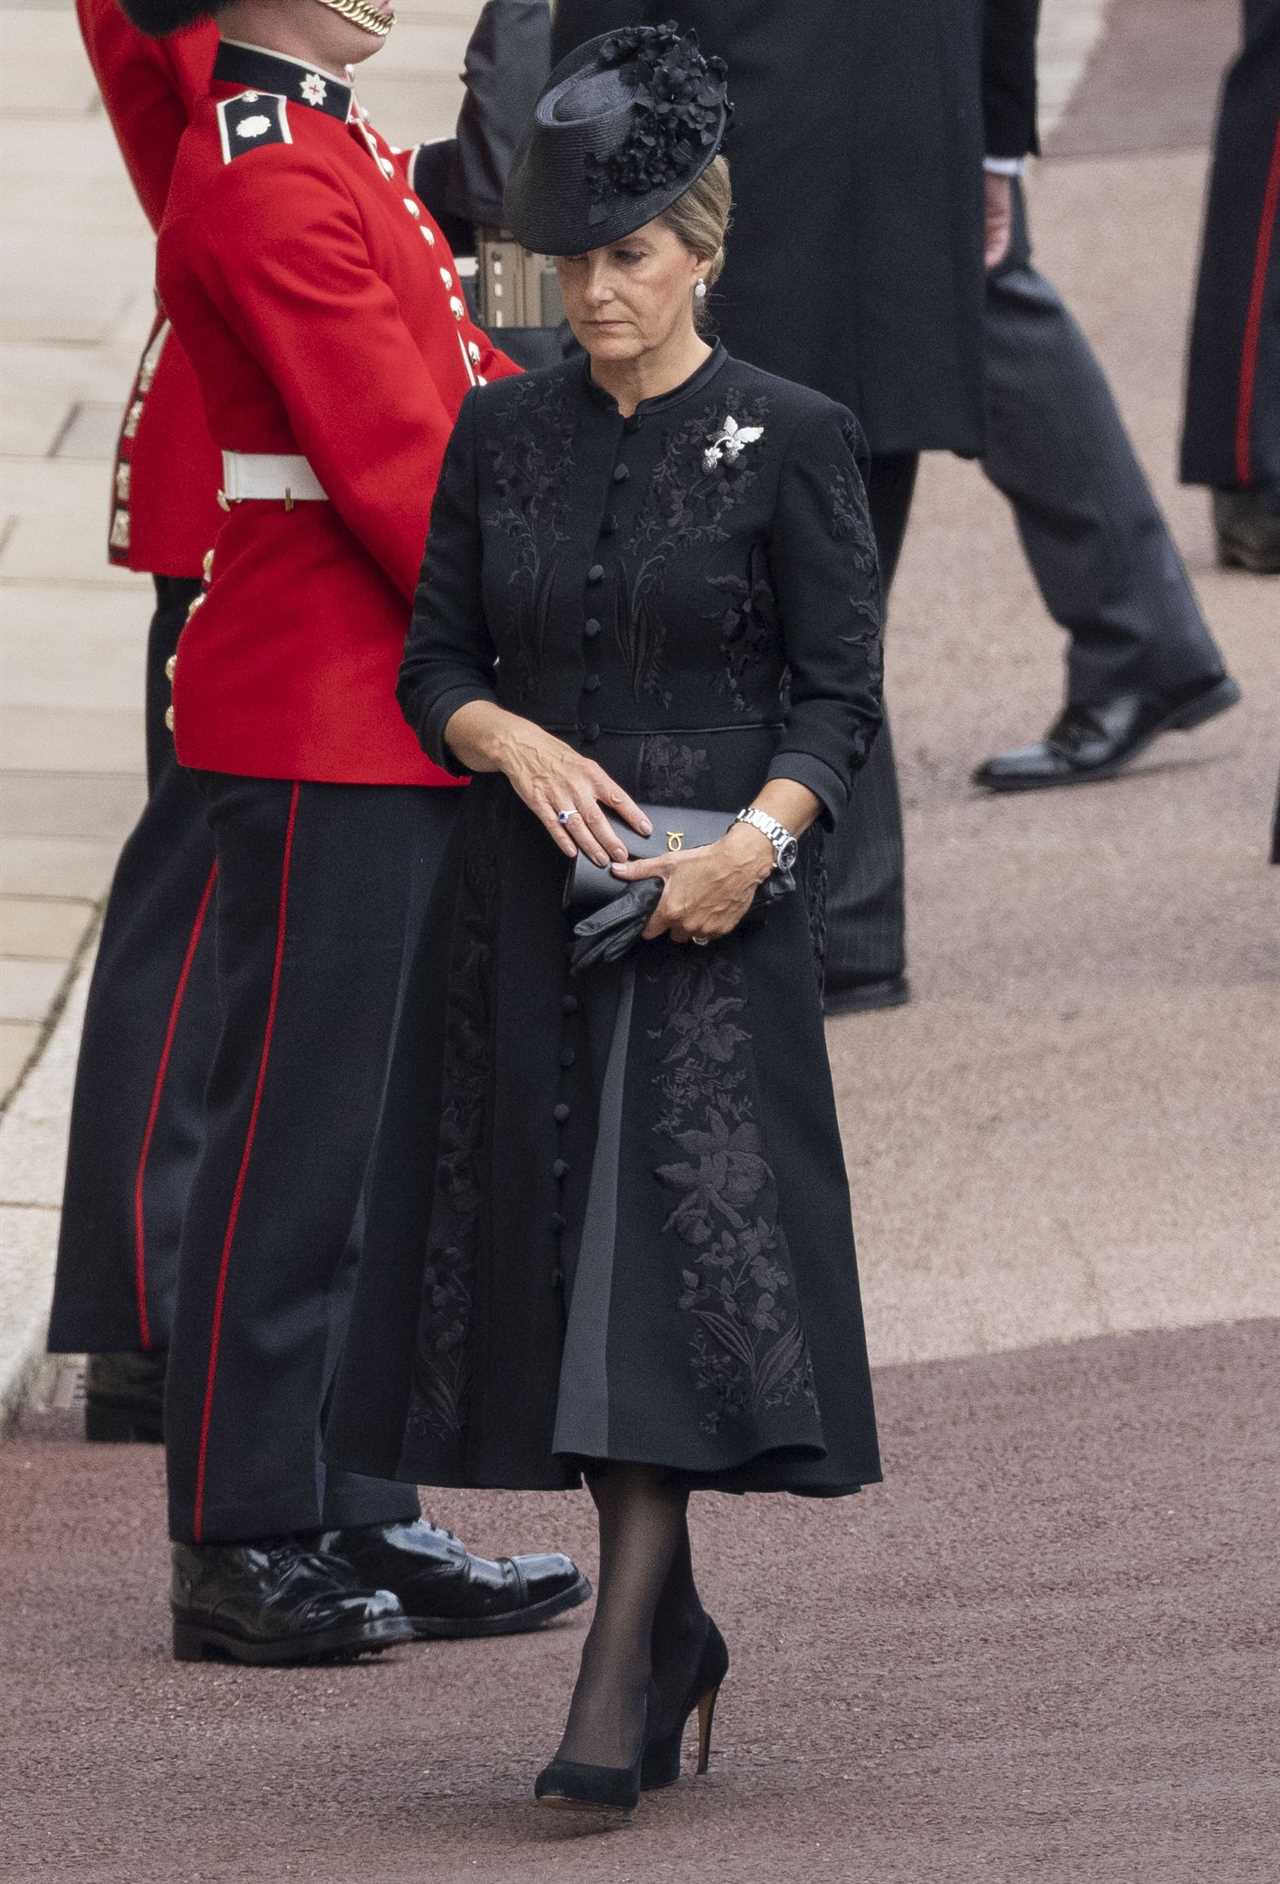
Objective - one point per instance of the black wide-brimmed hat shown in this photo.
(623, 127)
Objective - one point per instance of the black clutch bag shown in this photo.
(590, 886)
(610, 914)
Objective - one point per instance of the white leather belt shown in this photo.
(267, 475)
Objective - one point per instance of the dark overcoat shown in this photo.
(855, 261)
(608, 1217)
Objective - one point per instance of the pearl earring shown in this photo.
(700, 292)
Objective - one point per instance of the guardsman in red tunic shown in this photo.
(151, 1015)
(151, 1021)
(319, 304)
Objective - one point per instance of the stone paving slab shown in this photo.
(35, 929)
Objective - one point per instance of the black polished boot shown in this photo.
(1095, 741)
(864, 997)
(278, 1601)
(446, 1591)
(1247, 525)
(124, 1397)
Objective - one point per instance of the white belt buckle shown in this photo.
(266, 477)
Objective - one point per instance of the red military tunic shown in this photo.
(320, 306)
(164, 514)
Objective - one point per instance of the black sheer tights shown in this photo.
(648, 1619)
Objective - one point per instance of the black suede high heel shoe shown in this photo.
(578, 1787)
(660, 1761)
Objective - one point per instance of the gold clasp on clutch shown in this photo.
(675, 840)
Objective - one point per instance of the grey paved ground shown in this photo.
(1046, 1649)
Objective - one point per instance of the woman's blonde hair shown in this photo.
(700, 218)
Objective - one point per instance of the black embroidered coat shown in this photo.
(609, 1216)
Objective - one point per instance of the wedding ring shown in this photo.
(700, 941)
(563, 817)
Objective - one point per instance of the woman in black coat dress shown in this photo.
(609, 1228)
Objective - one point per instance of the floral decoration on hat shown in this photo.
(679, 97)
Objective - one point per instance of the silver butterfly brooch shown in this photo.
(729, 442)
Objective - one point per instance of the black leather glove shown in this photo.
(611, 931)
(608, 933)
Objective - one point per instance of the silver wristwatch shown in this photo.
(785, 847)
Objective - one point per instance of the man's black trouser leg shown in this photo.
(1093, 535)
(866, 916)
(319, 889)
(1231, 436)
(149, 1031)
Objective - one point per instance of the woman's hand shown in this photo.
(551, 777)
(707, 891)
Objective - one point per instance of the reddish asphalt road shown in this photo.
(1046, 1651)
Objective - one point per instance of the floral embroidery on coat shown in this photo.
(669, 771)
(527, 457)
(687, 504)
(750, 635)
(747, 1349)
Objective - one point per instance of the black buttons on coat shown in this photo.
(591, 629)
(561, 1113)
(591, 732)
(591, 684)
(596, 573)
(569, 1004)
(560, 1170)
(620, 474)
(567, 1057)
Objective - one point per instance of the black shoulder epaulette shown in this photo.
(250, 121)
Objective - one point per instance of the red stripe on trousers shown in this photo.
(162, 1073)
(1253, 323)
(237, 1196)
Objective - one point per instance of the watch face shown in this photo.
(787, 853)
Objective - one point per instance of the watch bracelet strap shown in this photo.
(769, 827)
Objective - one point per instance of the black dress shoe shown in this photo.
(124, 1397)
(1248, 530)
(1097, 741)
(447, 1591)
(861, 997)
(278, 1601)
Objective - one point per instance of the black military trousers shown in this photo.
(1231, 434)
(1099, 549)
(149, 1030)
(319, 892)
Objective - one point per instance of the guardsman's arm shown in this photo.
(282, 256)
(149, 87)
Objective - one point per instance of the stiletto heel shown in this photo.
(706, 1714)
(661, 1763)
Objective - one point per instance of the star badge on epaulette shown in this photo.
(313, 89)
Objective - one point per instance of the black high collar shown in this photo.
(275, 72)
(695, 383)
